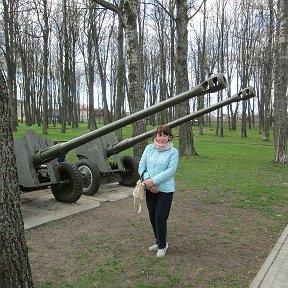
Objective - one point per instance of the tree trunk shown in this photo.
(26, 87)
(65, 80)
(172, 60)
(135, 95)
(280, 94)
(9, 53)
(186, 141)
(15, 269)
(119, 106)
(91, 68)
(74, 92)
(45, 32)
(202, 65)
(268, 62)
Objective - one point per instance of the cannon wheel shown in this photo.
(91, 175)
(70, 188)
(130, 176)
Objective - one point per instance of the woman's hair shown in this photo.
(163, 129)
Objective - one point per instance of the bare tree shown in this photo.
(281, 82)
(153, 79)
(246, 36)
(221, 44)
(162, 56)
(135, 93)
(186, 141)
(67, 33)
(202, 68)
(64, 60)
(267, 75)
(172, 25)
(88, 48)
(120, 95)
(120, 71)
(15, 269)
(25, 47)
(45, 29)
(10, 18)
(72, 45)
(129, 15)
(102, 45)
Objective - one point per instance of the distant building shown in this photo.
(83, 112)
(99, 114)
(19, 108)
(83, 109)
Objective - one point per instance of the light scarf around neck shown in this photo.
(162, 147)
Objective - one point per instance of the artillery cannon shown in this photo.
(36, 158)
(243, 95)
(90, 158)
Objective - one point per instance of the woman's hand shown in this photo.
(154, 189)
(150, 185)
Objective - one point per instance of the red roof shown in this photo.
(83, 107)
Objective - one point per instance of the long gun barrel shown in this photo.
(244, 94)
(213, 84)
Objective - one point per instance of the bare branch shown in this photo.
(197, 10)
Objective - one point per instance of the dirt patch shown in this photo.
(210, 245)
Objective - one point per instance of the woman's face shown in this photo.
(162, 138)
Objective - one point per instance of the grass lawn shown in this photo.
(243, 168)
(230, 176)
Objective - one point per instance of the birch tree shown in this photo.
(281, 82)
(129, 16)
(135, 93)
(267, 74)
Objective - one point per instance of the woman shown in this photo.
(158, 166)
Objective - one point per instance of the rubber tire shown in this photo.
(91, 176)
(130, 176)
(70, 190)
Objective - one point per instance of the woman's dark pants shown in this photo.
(159, 205)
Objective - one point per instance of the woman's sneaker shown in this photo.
(162, 252)
(153, 247)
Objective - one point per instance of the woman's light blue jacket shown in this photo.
(160, 166)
